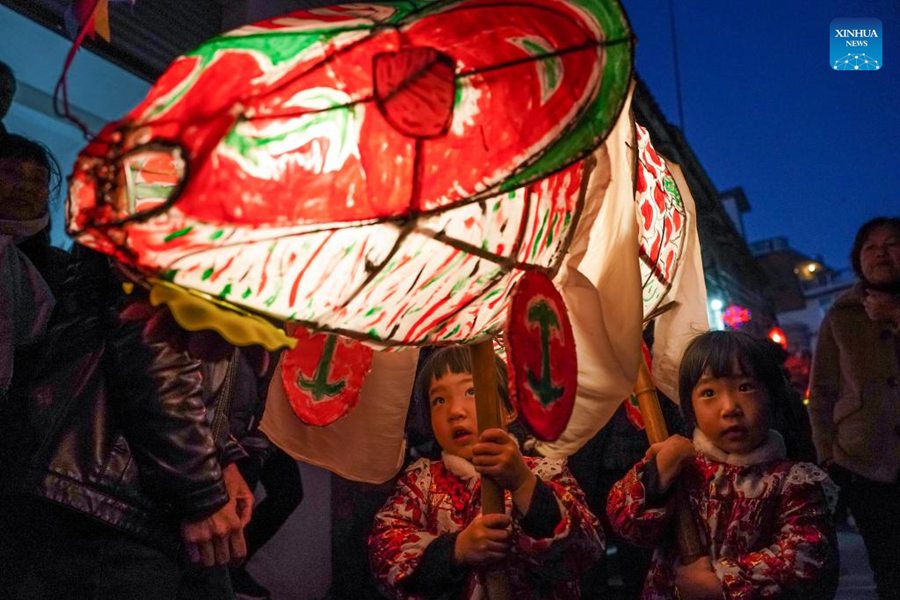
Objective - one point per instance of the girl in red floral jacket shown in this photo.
(766, 521)
(430, 539)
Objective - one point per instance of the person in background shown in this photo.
(261, 463)
(766, 521)
(855, 397)
(430, 539)
(108, 467)
(29, 178)
(30, 269)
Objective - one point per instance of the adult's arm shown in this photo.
(160, 404)
(824, 388)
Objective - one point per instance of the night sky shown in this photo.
(816, 150)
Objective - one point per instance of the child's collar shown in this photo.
(772, 449)
(459, 466)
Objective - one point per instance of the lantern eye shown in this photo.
(145, 180)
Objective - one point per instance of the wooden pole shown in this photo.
(689, 546)
(487, 407)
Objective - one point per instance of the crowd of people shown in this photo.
(131, 451)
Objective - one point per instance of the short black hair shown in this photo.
(448, 359)
(719, 351)
(863, 234)
(21, 148)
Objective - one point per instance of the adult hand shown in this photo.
(698, 581)
(240, 492)
(671, 454)
(219, 538)
(485, 541)
(882, 306)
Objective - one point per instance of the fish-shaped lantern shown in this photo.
(383, 171)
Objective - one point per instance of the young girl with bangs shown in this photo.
(766, 521)
(430, 539)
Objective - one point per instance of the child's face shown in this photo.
(732, 411)
(453, 417)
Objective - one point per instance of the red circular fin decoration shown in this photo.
(541, 356)
(323, 375)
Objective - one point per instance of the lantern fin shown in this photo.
(196, 313)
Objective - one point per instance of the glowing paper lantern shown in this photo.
(381, 171)
(777, 335)
(736, 316)
(662, 222)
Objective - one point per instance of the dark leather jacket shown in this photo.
(102, 421)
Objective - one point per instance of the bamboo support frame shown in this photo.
(490, 415)
(689, 546)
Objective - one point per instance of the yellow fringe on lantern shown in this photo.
(197, 313)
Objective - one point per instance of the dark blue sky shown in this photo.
(815, 150)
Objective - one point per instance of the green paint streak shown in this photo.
(169, 275)
(217, 234)
(672, 190)
(540, 234)
(551, 229)
(178, 234)
(247, 145)
(372, 311)
(568, 219)
(460, 284)
(440, 274)
(551, 64)
(152, 190)
(373, 334)
(277, 46)
(452, 332)
(246, 293)
(226, 291)
(491, 294)
(595, 122)
(207, 274)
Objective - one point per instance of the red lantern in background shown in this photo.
(736, 316)
(777, 335)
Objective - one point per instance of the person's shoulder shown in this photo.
(848, 299)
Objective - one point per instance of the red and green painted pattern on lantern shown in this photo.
(296, 197)
(662, 222)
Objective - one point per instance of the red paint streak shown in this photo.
(427, 314)
(374, 322)
(264, 279)
(397, 315)
(445, 316)
(312, 258)
(222, 270)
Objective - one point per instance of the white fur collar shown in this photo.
(459, 466)
(772, 449)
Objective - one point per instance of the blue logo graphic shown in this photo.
(856, 44)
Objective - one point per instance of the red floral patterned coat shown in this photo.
(766, 522)
(430, 500)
